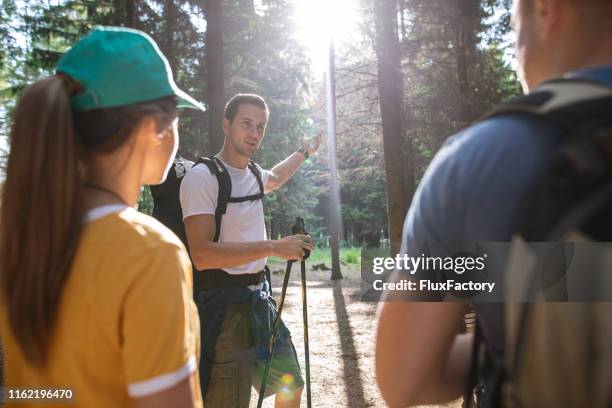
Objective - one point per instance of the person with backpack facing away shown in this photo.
(221, 199)
(477, 189)
(96, 297)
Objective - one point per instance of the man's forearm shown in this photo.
(284, 170)
(215, 255)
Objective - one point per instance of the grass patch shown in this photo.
(350, 256)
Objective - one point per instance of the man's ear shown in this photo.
(226, 126)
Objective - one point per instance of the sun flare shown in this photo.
(319, 20)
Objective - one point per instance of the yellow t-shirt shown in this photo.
(126, 326)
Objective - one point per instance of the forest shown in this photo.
(408, 74)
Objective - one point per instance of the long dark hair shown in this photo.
(42, 201)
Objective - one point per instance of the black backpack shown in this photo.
(554, 348)
(167, 205)
(166, 202)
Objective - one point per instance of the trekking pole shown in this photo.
(298, 228)
(275, 328)
(306, 348)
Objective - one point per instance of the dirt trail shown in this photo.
(341, 330)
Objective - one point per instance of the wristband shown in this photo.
(304, 151)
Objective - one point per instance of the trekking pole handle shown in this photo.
(299, 228)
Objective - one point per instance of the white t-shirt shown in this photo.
(242, 222)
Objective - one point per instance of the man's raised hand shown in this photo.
(312, 143)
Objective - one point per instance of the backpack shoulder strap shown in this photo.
(567, 102)
(217, 168)
(253, 197)
(257, 173)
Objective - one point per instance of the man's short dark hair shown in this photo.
(243, 99)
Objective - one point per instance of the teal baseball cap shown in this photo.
(119, 66)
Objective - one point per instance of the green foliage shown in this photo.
(348, 255)
(145, 201)
(320, 255)
(351, 255)
(454, 68)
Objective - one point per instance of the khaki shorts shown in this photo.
(235, 369)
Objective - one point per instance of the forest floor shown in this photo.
(341, 329)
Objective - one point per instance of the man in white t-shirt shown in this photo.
(231, 263)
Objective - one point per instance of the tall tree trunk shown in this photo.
(273, 228)
(130, 14)
(400, 178)
(1, 365)
(170, 15)
(465, 39)
(119, 13)
(402, 18)
(216, 74)
(124, 13)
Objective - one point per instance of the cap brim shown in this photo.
(187, 102)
